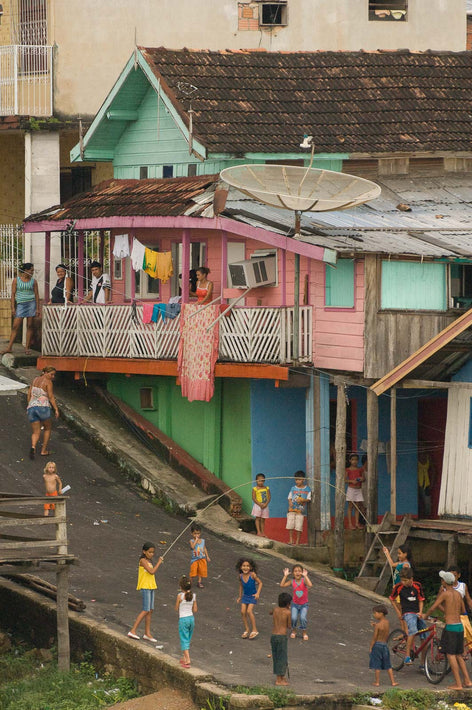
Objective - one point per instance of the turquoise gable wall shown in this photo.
(154, 140)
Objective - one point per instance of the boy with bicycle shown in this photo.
(452, 639)
(407, 599)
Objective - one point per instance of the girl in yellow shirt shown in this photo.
(147, 585)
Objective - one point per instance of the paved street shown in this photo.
(335, 658)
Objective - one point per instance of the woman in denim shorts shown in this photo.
(24, 304)
(40, 402)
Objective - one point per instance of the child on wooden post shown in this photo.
(278, 640)
(261, 500)
(379, 654)
(53, 486)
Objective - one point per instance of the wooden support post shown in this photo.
(314, 509)
(340, 498)
(185, 264)
(452, 551)
(47, 265)
(393, 452)
(62, 605)
(372, 461)
(80, 266)
(62, 584)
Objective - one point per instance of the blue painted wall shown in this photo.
(278, 438)
(465, 373)
(407, 441)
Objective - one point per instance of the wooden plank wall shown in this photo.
(390, 337)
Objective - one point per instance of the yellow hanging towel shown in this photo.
(165, 268)
(150, 262)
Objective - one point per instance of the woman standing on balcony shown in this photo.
(63, 288)
(204, 289)
(24, 304)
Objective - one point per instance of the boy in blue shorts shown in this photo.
(407, 599)
(379, 654)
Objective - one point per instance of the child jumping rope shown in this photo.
(300, 584)
(249, 590)
(147, 585)
(186, 605)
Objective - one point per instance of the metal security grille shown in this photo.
(11, 255)
(29, 22)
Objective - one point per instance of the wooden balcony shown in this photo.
(247, 335)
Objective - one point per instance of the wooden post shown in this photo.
(340, 498)
(185, 264)
(372, 461)
(393, 452)
(62, 583)
(80, 266)
(452, 550)
(47, 266)
(314, 509)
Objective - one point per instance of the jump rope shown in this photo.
(274, 478)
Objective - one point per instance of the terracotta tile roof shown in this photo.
(130, 198)
(258, 101)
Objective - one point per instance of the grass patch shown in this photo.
(279, 696)
(29, 683)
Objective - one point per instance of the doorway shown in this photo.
(432, 414)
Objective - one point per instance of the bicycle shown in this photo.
(435, 663)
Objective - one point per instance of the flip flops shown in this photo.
(245, 635)
(253, 635)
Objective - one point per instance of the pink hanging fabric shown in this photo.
(147, 312)
(198, 352)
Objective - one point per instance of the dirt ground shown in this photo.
(165, 699)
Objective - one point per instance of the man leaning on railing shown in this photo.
(100, 290)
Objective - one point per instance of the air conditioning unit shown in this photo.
(252, 273)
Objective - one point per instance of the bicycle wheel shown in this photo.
(396, 643)
(435, 663)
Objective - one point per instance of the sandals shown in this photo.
(245, 635)
(31, 453)
(200, 585)
(253, 635)
(183, 664)
(45, 453)
(293, 635)
(305, 637)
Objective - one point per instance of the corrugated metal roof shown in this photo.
(435, 228)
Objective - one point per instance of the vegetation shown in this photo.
(31, 683)
(279, 696)
(396, 699)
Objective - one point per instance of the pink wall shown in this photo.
(338, 333)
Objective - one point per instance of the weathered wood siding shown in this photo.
(456, 482)
(390, 337)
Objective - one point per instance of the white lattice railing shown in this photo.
(26, 80)
(247, 335)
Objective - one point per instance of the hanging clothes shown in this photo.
(150, 262)
(165, 267)
(198, 351)
(137, 255)
(121, 246)
(147, 312)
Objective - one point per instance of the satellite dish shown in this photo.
(300, 189)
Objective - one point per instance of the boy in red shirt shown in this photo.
(407, 599)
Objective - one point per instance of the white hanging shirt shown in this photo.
(121, 248)
(137, 254)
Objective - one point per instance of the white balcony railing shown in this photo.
(26, 80)
(247, 335)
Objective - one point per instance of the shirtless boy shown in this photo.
(53, 486)
(379, 653)
(281, 625)
(452, 639)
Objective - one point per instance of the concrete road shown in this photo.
(108, 522)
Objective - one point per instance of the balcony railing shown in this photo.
(255, 335)
(26, 80)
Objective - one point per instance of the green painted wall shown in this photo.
(236, 438)
(413, 285)
(216, 433)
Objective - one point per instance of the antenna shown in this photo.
(300, 189)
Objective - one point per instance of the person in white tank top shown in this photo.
(186, 605)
